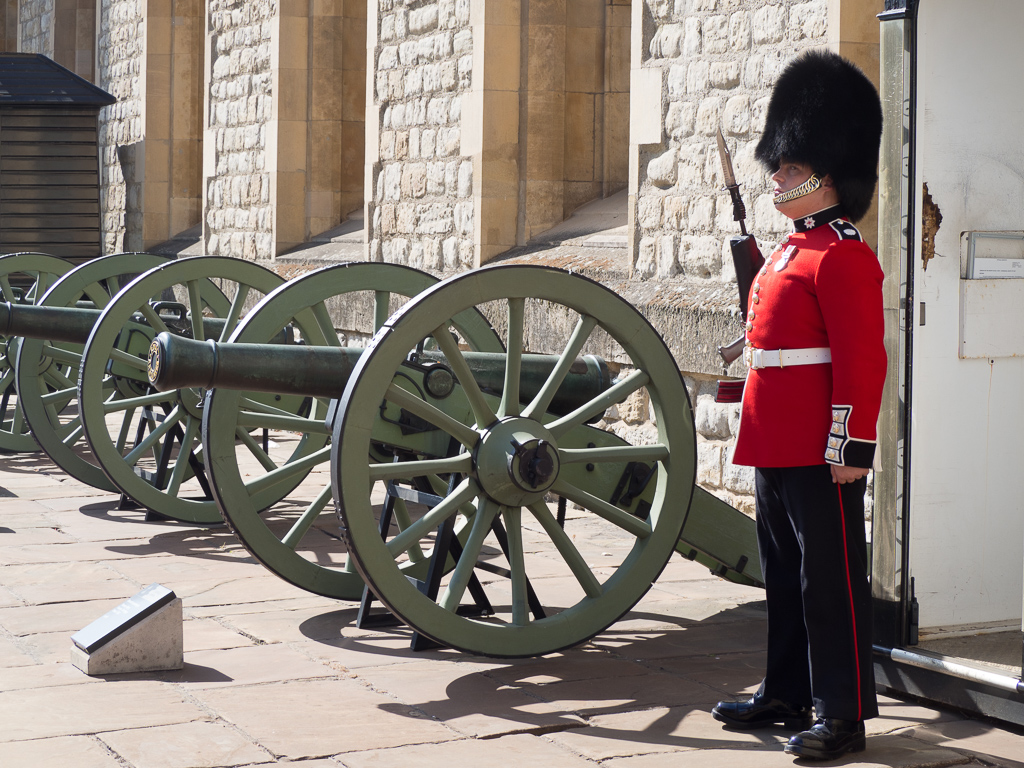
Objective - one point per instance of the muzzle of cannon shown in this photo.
(176, 362)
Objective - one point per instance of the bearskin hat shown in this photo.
(825, 112)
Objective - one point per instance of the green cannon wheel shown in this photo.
(24, 278)
(546, 593)
(296, 539)
(148, 442)
(47, 371)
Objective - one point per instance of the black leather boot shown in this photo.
(761, 713)
(828, 739)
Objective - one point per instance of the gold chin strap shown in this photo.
(804, 189)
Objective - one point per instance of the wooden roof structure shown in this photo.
(49, 158)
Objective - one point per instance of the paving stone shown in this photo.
(77, 751)
(235, 609)
(75, 590)
(55, 573)
(360, 648)
(230, 564)
(576, 664)
(317, 718)
(208, 635)
(57, 617)
(712, 588)
(84, 551)
(12, 507)
(12, 654)
(515, 750)
(311, 622)
(664, 729)
(1004, 747)
(44, 675)
(49, 647)
(186, 745)
(43, 490)
(90, 500)
(8, 599)
(705, 640)
(245, 666)
(461, 696)
(240, 590)
(71, 710)
(617, 694)
(897, 716)
(35, 535)
(29, 515)
(109, 525)
(732, 675)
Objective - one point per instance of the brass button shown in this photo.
(756, 299)
(757, 287)
(750, 326)
(751, 315)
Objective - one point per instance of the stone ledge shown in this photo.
(694, 316)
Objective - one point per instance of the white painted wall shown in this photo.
(967, 492)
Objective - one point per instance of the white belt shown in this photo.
(783, 358)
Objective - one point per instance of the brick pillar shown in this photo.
(9, 26)
(490, 125)
(74, 36)
(172, 80)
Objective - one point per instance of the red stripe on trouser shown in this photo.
(853, 611)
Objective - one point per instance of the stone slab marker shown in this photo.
(143, 634)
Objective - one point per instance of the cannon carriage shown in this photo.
(420, 403)
(446, 406)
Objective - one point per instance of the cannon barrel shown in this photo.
(74, 324)
(176, 363)
(70, 324)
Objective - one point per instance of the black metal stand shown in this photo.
(446, 545)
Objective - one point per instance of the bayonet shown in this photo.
(739, 211)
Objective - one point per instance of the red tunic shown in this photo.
(822, 287)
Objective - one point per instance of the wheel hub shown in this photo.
(516, 461)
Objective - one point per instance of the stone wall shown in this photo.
(121, 44)
(238, 215)
(421, 211)
(718, 62)
(36, 19)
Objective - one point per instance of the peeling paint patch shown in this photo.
(931, 219)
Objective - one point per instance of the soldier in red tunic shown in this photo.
(810, 405)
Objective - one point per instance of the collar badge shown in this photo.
(809, 222)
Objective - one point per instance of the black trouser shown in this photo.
(810, 534)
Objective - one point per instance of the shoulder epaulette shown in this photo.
(845, 230)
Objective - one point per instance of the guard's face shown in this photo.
(790, 175)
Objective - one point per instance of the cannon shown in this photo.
(109, 430)
(24, 278)
(52, 337)
(495, 457)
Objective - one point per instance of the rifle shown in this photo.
(747, 259)
(746, 256)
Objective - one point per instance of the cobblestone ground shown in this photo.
(274, 675)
